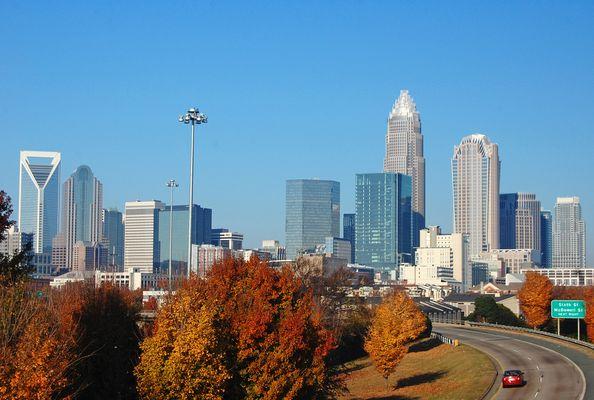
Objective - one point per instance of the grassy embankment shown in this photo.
(431, 370)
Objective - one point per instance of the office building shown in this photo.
(447, 251)
(113, 233)
(338, 247)
(13, 241)
(569, 234)
(201, 234)
(39, 197)
(277, 252)
(82, 208)
(508, 204)
(513, 260)
(566, 276)
(528, 222)
(141, 236)
(348, 231)
(475, 181)
(546, 239)
(312, 213)
(89, 256)
(205, 255)
(404, 154)
(223, 237)
(384, 220)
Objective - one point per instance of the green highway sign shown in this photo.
(568, 309)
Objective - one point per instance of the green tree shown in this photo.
(14, 268)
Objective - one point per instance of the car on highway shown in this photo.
(512, 378)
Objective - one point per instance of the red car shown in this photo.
(513, 377)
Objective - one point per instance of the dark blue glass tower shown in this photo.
(348, 231)
(546, 238)
(508, 204)
(383, 225)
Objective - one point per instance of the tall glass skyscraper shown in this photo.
(569, 234)
(475, 183)
(82, 208)
(404, 154)
(546, 238)
(39, 197)
(201, 234)
(348, 232)
(113, 231)
(383, 226)
(508, 204)
(312, 213)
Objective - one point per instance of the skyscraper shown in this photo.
(141, 237)
(475, 182)
(528, 222)
(569, 234)
(383, 226)
(312, 213)
(39, 197)
(404, 154)
(348, 231)
(201, 234)
(508, 204)
(113, 232)
(82, 208)
(546, 238)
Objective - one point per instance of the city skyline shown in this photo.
(515, 110)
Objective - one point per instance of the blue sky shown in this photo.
(296, 90)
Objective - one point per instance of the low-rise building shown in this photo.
(566, 276)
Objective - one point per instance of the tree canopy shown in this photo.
(535, 299)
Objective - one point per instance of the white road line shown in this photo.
(537, 367)
(535, 394)
(530, 358)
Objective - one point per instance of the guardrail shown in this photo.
(444, 339)
(533, 331)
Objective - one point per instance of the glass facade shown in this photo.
(113, 231)
(312, 213)
(546, 238)
(383, 226)
(39, 197)
(348, 232)
(201, 233)
(508, 204)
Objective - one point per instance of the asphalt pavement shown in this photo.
(548, 373)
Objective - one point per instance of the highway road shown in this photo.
(548, 374)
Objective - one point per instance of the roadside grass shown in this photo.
(431, 370)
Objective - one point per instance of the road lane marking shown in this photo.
(537, 367)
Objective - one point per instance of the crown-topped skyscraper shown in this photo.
(404, 154)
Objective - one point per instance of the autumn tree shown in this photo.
(535, 299)
(14, 268)
(589, 319)
(255, 328)
(36, 355)
(103, 321)
(396, 324)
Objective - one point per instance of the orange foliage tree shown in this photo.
(35, 353)
(397, 322)
(535, 299)
(589, 299)
(255, 333)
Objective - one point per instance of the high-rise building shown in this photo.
(141, 235)
(546, 238)
(39, 197)
(201, 234)
(312, 213)
(223, 237)
(205, 255)
(384, 220)
(348, 231)
(113, 232)
(528, 222)
(475, 182)
(508, 204)
(82, 208)
(89, 256)
(445, 250)
(339, 248)
(569, 234)
(404, 154)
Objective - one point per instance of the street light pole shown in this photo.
(171, 185)
(194, 117)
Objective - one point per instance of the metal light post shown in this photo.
(171, 185)
(194, 117)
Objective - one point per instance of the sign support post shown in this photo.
(559, 326)
(578, 322)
